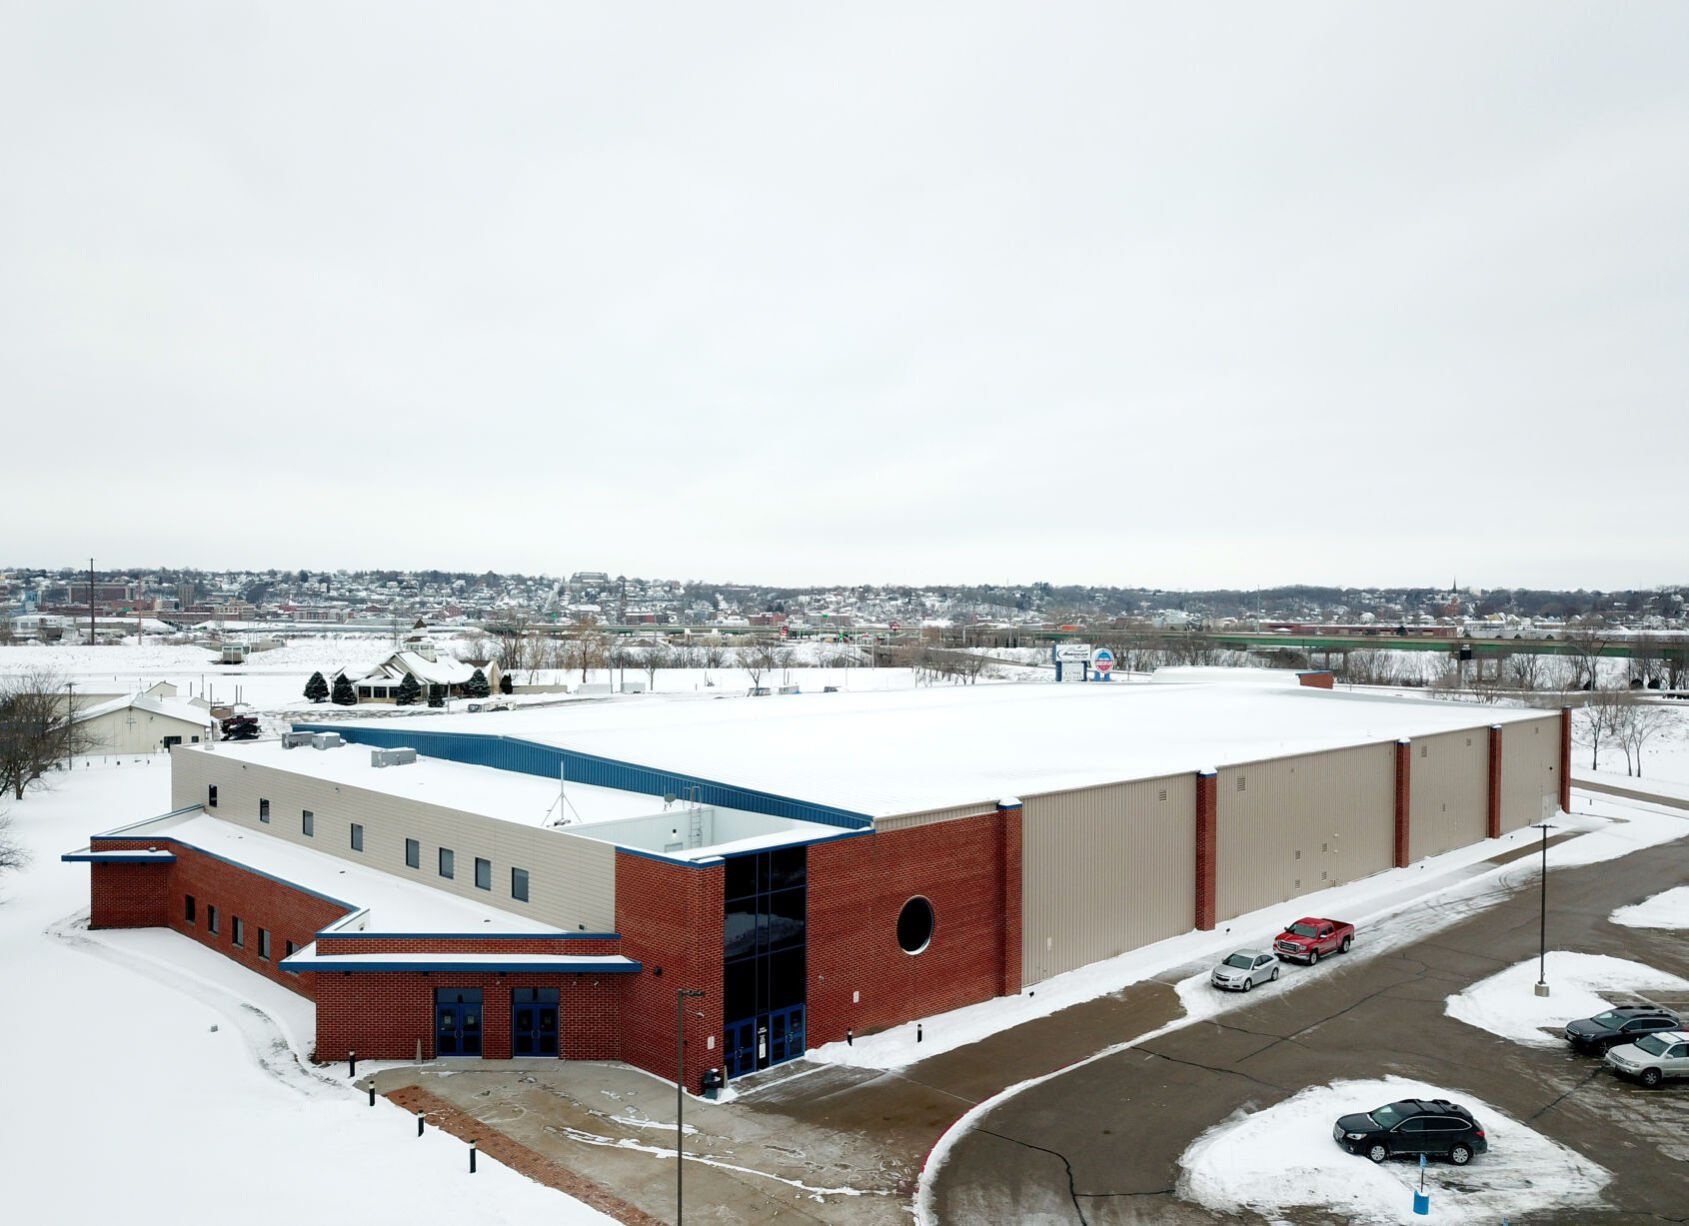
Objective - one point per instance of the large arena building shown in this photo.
(541, 883)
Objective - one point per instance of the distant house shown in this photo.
(433, 673)
(152, 722)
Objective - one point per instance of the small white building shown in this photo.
(432, 672)
(143, 723)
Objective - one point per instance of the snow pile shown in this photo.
(1507, 1004)
(1667, 910)
(1283, 1158)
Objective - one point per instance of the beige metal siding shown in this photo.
(571, 880)
(905, 821)
(1530, 771)
(1105, 870)
(1290, 826)
(1449, 803)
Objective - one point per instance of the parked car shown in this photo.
(1308, 939)
(1620, 1024)
(1434, 1127)
(1652, 1058)
(1244, 969)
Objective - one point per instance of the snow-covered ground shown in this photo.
(1667, 910)
(1283, 1158)
(152, 1081)
(1580, 985)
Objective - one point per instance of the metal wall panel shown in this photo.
(1290, 826)
(571, 880)
(1530, 771)
(1105, 870)
(1450, 801)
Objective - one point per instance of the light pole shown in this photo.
(1542, 919)
(681, 996)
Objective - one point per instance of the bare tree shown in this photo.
(651, 659)
(38, 729)
(12, 853)
(1636, 723)
(1597, 722)
(510, 644)
(1524, 669)
(1586, 641)
(1371, 668)
(755, 659)
(783, 658)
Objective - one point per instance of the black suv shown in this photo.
(1431, 1126)
(1621, 1024)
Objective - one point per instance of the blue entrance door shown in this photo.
(457, 1021)
(533, 1021)
(758, 1042)
(785, 1034)
(740, 1050)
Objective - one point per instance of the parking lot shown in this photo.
(1102, 1143)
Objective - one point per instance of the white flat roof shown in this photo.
(529, 800)
(394, 904)
(892, 752)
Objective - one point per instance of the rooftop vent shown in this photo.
(293, 740)
(391, 757)
(326, 740)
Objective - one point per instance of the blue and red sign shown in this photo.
(1102, 662)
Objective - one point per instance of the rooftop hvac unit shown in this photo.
(292, 740)
(326, 740)
(391, 757)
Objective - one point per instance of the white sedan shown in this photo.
(1244, 969)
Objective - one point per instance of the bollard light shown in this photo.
(850, 1037)
(351, 1064)
(372, 1093)
(472, 1156)
(917, 1032)
(419, 1123)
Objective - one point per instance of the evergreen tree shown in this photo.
(504, 686)
(316, 689)
(344, 694)
(436, 695)
(409, 692)
(476, 686)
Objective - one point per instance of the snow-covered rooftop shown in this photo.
(886, 753)
(175, 708)
(393, 903)
(527, 799)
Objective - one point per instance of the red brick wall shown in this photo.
(1207, 848)
(1565, 759)
(859, 977)
(1404, 783)
(1495, 782)
(287, 913)
(671, 917)
(128, 895)
(384, 1015)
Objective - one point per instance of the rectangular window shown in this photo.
(447, 862)
(211, 920)
(263, 810)
(483, 874)
(237, 931)
(188, 907)
(211, 797)
(264, 944)
(292, 949)
(308, 823)
(357, 837)
(519, 884)
(413, 854)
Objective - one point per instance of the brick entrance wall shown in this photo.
(859, 977)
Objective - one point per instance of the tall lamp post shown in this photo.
(681, 996)
(1542, 918)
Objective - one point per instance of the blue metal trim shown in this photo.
(532, 758)
(660, 858)
(325, 934)
(116, 857)
(552, 967)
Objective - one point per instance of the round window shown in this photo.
(914, 925)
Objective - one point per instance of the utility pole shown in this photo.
(1542, 917)
(680, 999)
(90, 602)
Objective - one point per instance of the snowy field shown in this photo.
(1582, 985)
(1667, 910)
(1283, 1158)
(142, 1055)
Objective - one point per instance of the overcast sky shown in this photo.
(800, 293)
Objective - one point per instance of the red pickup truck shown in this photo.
(1308, 940)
